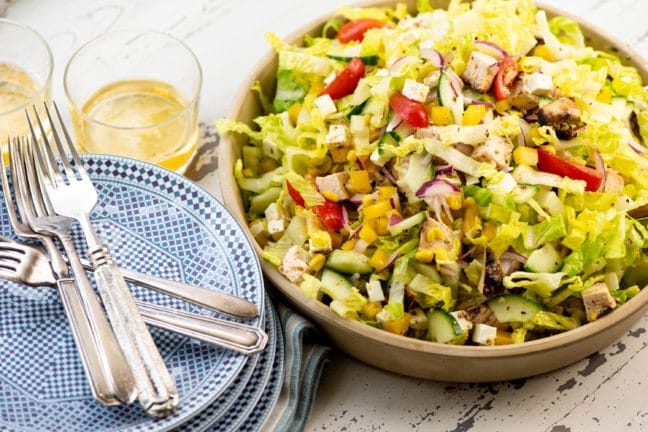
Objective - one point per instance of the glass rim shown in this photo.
(192, 101)
(50, 72)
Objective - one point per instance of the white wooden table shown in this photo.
(605, 392)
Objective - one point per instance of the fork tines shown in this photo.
(69, 156)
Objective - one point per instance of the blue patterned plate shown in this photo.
(233, 404)
(154, 221)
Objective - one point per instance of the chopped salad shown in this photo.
(459, 175)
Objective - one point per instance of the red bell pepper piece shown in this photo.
(553, 164)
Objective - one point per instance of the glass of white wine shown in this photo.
(135, 93)
(26, 66)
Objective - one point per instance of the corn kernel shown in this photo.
(455, 201)
(441, 115)
(381, 225)
(525, 156)
(502, 106)
(349, 244)
(434, 234)
(359, 182)
(293, 112)
(376, 210)
(473, 115)
(317, 262)
(331, 196)
(367, 233)
(370, 310)
(398, 326)
(543, 51)
(490, 230)
(352, 156)
(379, 259)
(424, 255)
(533, 132)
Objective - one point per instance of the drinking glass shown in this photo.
(135, 93)
(26, 66)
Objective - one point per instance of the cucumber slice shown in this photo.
(544, 260)
(345, 54)
(444, 328)
(513, 308)
(408, 223)
(335, 285)
(348, 262)
(449, 95)
(380, 156)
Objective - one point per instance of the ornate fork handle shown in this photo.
(157, 391)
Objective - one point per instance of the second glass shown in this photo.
(135, 93)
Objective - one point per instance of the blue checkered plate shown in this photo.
(154, 221)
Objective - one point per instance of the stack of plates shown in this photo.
(158, 222)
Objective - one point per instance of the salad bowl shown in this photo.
(410, 356)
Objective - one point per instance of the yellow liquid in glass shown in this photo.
(17, 89)
(142, 119)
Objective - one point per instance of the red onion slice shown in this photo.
(392, 259)
(356, 199)
(388, 175)
(524, 139)
(434, 56)
(437, 187)
(638, 148)
(394, 219)
(401, 62)
(444, 169)
(491, 49)
(487, 104)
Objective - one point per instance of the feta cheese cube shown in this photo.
(276, 219)
(326, 105)
(507, 184)
(295, 264)
(374, 291)
(415, 90)
(337, 134)
(484, 334)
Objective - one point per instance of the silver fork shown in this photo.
(28, 265)
(105, 366)
(71, 194)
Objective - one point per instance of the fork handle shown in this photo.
(239, 337)
(110, 383)
(158, 394)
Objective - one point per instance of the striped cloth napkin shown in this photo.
(305, 358)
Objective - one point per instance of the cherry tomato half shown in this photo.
(553, 164)
(355, 30)
(508, 71)
(411, 111)
(347, 81)
(330, 214)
